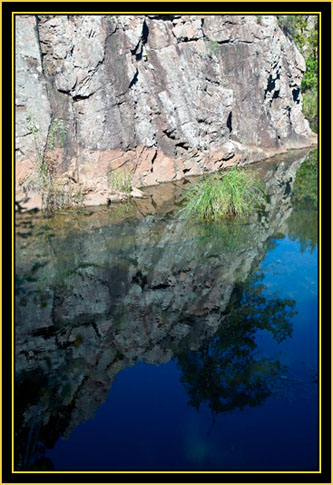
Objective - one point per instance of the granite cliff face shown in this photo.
(159, 96)
(95, 296)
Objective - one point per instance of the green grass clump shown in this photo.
(120, 181)
(235, 193)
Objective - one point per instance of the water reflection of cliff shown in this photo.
(97, 292)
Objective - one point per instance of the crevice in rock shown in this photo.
(94, 326)
(187, 40)
(39, 45)
(64, 91)
(134, 80)
(80, 97)
(138, 56)
(229, 121)
(212, 81)
(160, 286)
(92, 33)
(134, 51)
(271, 84)
(295, 93)
(113, 362)
(170, 133)
(152, 161)
(45, 332)
(287, 189)
(140, 279)
(143, 40)
(145, 32)
(183, 144)
(226, 41)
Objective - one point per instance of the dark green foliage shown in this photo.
(310, 78)
(310, 108)
(303, 29)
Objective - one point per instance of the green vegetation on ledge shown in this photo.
(55, 194)
(235, 193)
(120, 181)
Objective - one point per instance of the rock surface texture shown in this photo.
(161, 97)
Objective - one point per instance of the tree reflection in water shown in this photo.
(303, 221)
(224, 371)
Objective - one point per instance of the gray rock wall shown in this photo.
(159, 97)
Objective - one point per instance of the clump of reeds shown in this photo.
(233, 193)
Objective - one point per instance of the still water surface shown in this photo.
(144, 342)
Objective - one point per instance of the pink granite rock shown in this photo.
(157, 96)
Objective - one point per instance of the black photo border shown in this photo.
(325, 276)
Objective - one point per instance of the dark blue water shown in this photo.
(146, 422)
(145, 342)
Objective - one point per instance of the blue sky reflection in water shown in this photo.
(171, 349)
(146, 422)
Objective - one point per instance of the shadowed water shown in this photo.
(147, 342)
